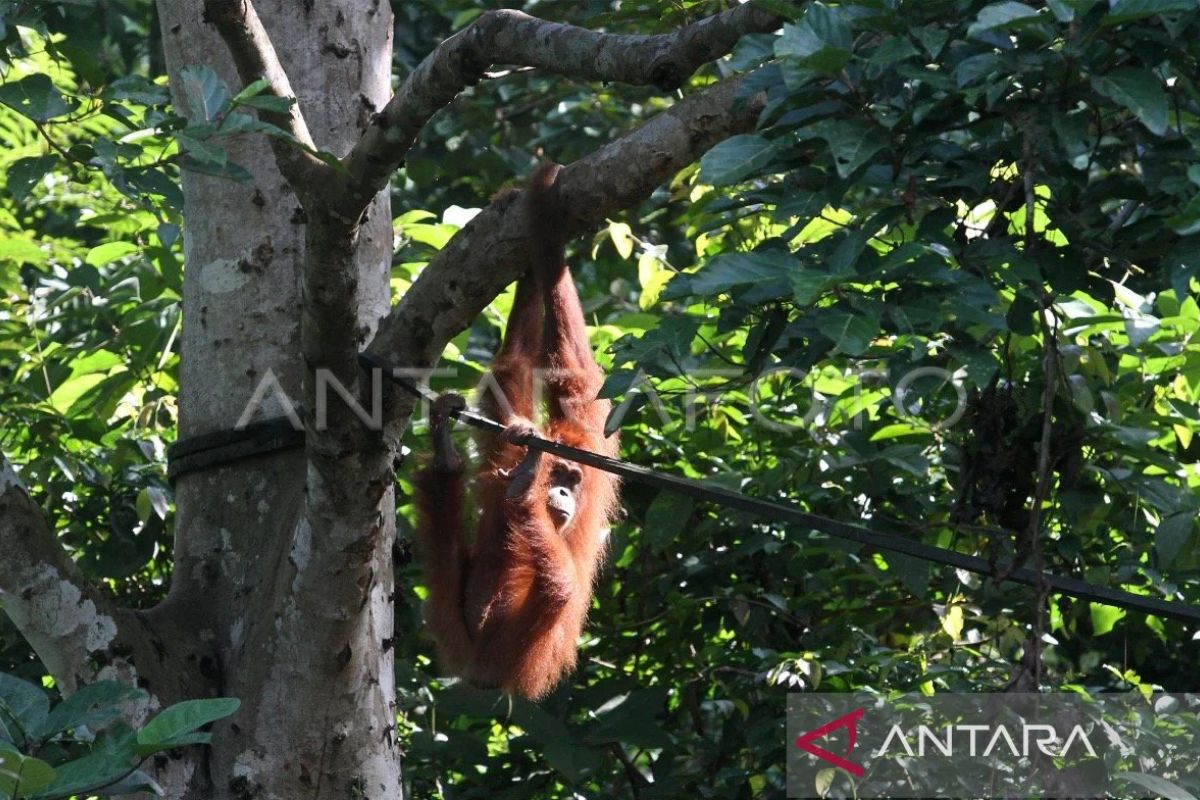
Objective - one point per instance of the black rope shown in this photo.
(839, 530)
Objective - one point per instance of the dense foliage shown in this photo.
(55, 754)
(948, 289)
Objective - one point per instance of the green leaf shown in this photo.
(829, 24)
(852, 143)
(1104, 618)
(1172, 534)
(666, 518)
(25, 173)
(269, 102)
(1062, 10)
(1159, 787)
(1126, 10)
(977, 68)
(933, 38)
(1001, 15)
(1140, 327)
(736, 158)
(561, 749)
(800, 203)
(232, 172)
(118, 739)
(101, 361)
(661, 350)
(808, 285)
(22, 776)
(34, 96)
(136, 781)
(94, 771)
(183, 740)
(109, 252)
(252, 90)
(845, 256)
(630, 719)
(168, 234)
(21, 700)
(821, 40)
(914, 573)
(893, 49)
(1187, 221)
(203, 151)
(154, 500)
(851, 332)
(255, 96)
(1020, 317)
(67, 392)
(728, 270)
(206, 94)
(21, 251)
(92, 705)
(1140, 91)
(175, 726)
(136, 89)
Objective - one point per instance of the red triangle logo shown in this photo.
(848, 721)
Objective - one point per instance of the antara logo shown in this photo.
(848, 721)
(974, 740)
(955, 738)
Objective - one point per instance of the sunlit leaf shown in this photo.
(34, 96)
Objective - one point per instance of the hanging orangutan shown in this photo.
(507, 605)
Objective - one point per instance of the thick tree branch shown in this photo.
(492, 250)
(255, 58)
(41, 589)
(506, 36)
(80, 633)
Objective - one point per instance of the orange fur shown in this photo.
(507, 609)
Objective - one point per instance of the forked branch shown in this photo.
(502, 36)
(255, 58)
(505, 36)
(491, 251)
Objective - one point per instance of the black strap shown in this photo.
(219, 448)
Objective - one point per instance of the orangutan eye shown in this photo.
(566, 476)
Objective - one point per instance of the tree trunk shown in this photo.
(309, 666)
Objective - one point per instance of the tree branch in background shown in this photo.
(43, 592)
(506, 36)
(492, 250)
